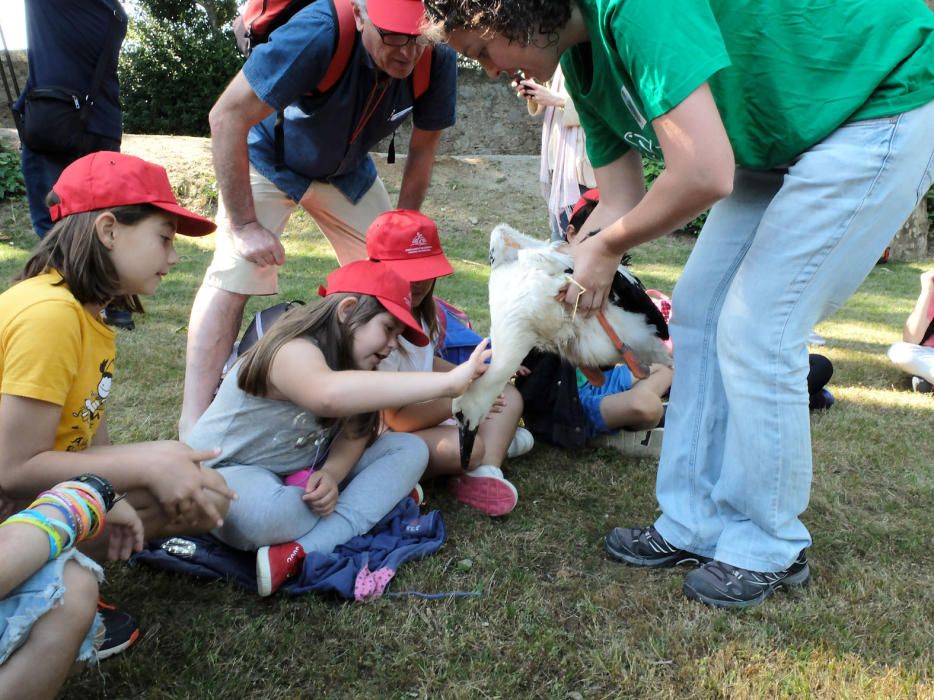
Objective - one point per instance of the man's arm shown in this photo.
(233, 115)
(423, 145)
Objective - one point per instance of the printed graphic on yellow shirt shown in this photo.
(93, 407)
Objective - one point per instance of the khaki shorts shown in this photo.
(343, 223)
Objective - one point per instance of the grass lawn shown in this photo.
(556, 618)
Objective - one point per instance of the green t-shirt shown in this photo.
(784, 73)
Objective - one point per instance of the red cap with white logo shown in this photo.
(408, 241)
(382, 282)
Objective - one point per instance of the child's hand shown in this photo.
(461, 376)
(499, 403)
(181, 486)
(321, 493)
(539, 93)
(124, 531)
(523, 371)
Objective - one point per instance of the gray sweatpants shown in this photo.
(269, 512)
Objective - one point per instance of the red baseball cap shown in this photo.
(591, 196)
(382, 282)
(400, 16)
(109, 179)
(407, 241)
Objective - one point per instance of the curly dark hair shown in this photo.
(517, 20)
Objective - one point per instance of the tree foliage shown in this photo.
(218, 12)
(177, 59)
(11, 177)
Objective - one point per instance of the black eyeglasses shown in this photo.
(398, 40)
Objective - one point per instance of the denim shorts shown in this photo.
(616, 380)
(36, 596)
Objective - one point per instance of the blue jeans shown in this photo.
(22, 608)
(783, 252)
(41, 172)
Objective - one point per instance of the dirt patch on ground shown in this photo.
(467, 192)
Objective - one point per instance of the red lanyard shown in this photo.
(368, 110)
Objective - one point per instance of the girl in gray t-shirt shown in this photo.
(306, 396)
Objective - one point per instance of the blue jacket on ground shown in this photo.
(403, 535)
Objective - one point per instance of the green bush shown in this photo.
(11, 177)
(172, 71)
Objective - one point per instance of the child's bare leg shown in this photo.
(633, 409)
(492, 441)
(658, 381)
(39, 667)
(500, 427)
(444, 452)
(640, 407)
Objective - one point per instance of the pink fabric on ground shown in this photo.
(371, 584)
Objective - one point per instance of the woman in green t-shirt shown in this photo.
(806, 126)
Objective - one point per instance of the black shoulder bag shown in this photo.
(54, 117)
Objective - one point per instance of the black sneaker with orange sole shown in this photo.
(120, 631)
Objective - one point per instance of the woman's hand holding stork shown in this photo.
(594, 267)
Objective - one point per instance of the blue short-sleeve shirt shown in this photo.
(319, 141)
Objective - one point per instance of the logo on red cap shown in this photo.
(420, 245)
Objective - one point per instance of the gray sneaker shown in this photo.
(646, 547)
(725, 586)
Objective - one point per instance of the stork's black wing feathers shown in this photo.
(631, 296)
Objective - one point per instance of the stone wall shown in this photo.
(490, 119)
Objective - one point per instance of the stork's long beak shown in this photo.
(467, 437)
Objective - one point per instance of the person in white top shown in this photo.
(565, 173)
(408, 242)
(915, 353)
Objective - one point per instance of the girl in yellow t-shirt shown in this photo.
(116, 218)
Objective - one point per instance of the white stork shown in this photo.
(526, 276)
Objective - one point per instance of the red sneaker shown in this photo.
(485, 489)
(417, 495)
(276, 564)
